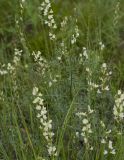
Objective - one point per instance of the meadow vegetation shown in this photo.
(62, 80)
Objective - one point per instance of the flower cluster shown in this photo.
(46, 124)
(104, 78)
(118, 109)
(40, 61)
(106, 140)
(108, 143)
(110, 150)
(104, 75)
(116, 13)
(47, 13)
(44, 69)
(53, 79)
(11, 67)
(63, 48)
(17, 57)
(83, 55)
(85, 52)
(101, 45)
(91, 85)
(64, 23)
(3, 70)
(86, 126)
(62, 52)
(75, 35)
(19, 22)
(21, 9)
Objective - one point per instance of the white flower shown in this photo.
(36, 100)
(38, 115)
(43, 111)
(113, 152)
(47, 126)
(77, 134)
(106, 88)
(3, 72)
(38, 107)
(85, 140)
(35, 91)
(51, 134)
(50, 16)
(91, 148)
(105, 152)
(85, 121)
(59, 58)
(41, 101)
(121, 115)
(84, 129)
(110, 145)
(54, 80)
(102, 124)
(39, 94)
(51, 149)
(103, 141)
(98, 91)
(47, 1)
(87, 69)
(85, 53)
(109, 131)
(110, 73)
(50, 84)
(80, 55)
(90, 110)
(104, 65)
(79, 114)
(119, 92)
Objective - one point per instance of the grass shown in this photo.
(72, 71)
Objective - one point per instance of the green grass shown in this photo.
(62, 81)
